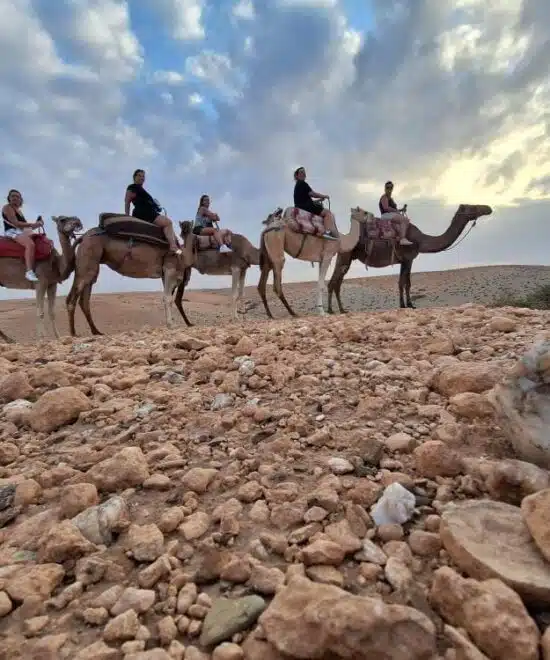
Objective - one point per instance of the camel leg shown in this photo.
(242, 279)
(7, 339)
(51, 293)
(343, 263)
(408, 269)
(235, 272)
(168, 282)
(278, 286)
(84, 301)
(262, 284)
(179, 297)
(70, 304)
(323, 267)
(40, 297)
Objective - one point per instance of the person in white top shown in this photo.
(18, 229)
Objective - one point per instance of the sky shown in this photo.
(450, 99)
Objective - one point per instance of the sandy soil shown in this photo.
(120, 312)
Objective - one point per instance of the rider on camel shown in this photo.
(303, 199)
(19, 229)
(389, 211)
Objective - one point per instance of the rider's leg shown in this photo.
(168, 228)
(25, 239)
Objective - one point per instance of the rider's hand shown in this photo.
(326, 197)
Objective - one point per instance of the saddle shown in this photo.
(303, 222)
(118, 225)
(381, 230)
(205, 243)
(43, 247)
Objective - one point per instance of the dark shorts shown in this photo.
(198, 230)
(146, 215)
(314, 208)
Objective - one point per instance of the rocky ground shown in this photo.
(322, 488)
(122, 312)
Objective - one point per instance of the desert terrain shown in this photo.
(119, 312)
(367, 486)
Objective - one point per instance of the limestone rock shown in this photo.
(489, 539)
(459, 377)
(492, 614)
(310, 620)
(125, 469)
(57, 408)
(536, 513)
(229, 616)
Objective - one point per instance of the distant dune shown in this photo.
(117, 312)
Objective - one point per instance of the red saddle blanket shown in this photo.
(304, 222)
(382, 229)
(43, 247)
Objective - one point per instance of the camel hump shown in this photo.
(125, 227)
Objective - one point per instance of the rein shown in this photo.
(463, 238)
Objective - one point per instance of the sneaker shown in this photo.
(31, 276)
(224, 249)
(178, 252)
(405, 241)
(329, 236)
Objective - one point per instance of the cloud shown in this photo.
(450, 99)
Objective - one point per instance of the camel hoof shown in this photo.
(411, 306)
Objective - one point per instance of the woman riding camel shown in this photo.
(18, 229)
(206, 224)
(303, 199)
(389, 211)
(146, 208)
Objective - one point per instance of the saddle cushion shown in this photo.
(205, 243)
(382, 229)
(304, 222)
(127, 227)
(42, 244)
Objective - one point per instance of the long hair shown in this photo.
(201, 200)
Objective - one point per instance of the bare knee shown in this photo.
(162, 221)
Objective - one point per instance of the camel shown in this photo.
(380, 253)
(133, 248)
(211, 262)
(279, 238)
(51, 269)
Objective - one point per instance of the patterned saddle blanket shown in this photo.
(118, 225)
(303, 222)
(381, 230)
(42, 244)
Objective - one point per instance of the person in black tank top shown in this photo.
(19, 230)
(389, 211)
(303, 199)
(148, 209)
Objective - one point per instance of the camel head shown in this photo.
(69, 225)
(359, 215)
(186, 227)
(472, 212)
(272, 217)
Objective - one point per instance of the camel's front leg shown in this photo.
(323, 268)
(40, 297)
(235, 271)
(169, 283)
(51, 292)
(242, 278)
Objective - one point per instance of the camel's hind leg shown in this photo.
(51, 293)
(169, 282)
(179, 297)
(84, 301)
(278, 287)
(343, 263)
(235, 292)
(262, 284)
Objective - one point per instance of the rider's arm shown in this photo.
(384, 202)
(317, 195)
(209, 214)
(8, 211)
(128, 199)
